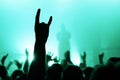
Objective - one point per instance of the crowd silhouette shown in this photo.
(66, 70)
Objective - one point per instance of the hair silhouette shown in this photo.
(54, 72)
(72, 73)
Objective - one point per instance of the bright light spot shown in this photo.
(31, 57)
(50, 63)
(30, 50)
(76, 60)
(75, 56)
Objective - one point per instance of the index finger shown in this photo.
(37, 16)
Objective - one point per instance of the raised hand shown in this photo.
(18, 64)
(42, 29)
(3, 59)
(27, 53)
(38, 66)
(56, 59)
(8, 66)
(83, 56)
(101, 56)
(26, 65)
(49, 56)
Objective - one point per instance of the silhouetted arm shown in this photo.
(26, 65)
(9, 65)
(3, 59)
(41, 35)
(18, 64)
(83, 57)
(37, 68)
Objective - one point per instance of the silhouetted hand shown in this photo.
(18, 64)
(49, 56)
(38, 66)
(9, 64)
(101, 56)
(55, 59)
(26, 65)
(83, 56)
(41, 29)
(27, 53)
(3, 59)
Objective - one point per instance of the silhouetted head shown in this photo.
(113, 60)
(72, 73)
(54, 72)
(22, 77)
(16, 74)
(87, 71)
(103, 72)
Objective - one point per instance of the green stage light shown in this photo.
(50, 63)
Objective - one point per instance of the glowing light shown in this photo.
(50, 63)
(29, 48)
(75, 56)
(76, 59)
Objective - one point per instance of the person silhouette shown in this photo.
(63, 38)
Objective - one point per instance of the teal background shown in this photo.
(94, 26)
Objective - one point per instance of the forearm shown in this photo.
(39, 53)
(39, 50)
(100, 61)
(39, 57)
